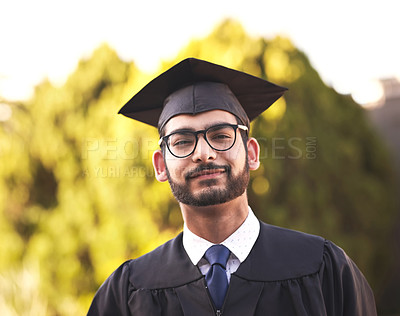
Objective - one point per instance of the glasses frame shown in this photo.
(204, 132)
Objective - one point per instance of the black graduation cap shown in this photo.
(194, 86)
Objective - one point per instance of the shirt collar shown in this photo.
(239, 243)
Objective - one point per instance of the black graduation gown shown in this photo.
(286, 273)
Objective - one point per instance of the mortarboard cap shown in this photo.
(194, 86)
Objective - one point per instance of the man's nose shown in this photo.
(203, 152)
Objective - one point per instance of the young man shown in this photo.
(225, 262)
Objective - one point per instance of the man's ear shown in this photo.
(159, 166)
(253, 153)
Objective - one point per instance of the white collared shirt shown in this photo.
(239, 243)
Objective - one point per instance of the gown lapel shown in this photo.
(242, 297)
(194, 299)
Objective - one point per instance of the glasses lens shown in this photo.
(221, 137)
(181, 144)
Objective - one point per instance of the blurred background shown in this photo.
(77, 190)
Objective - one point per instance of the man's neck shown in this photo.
(215, 223)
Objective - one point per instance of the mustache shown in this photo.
(211, 166)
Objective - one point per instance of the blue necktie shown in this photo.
(216, 279)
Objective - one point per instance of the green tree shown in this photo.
(75, 178)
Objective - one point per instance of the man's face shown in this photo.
(207, 177)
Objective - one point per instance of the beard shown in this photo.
(209, 195)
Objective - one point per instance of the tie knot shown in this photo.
(217, 254)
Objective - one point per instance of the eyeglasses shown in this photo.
(220, 137)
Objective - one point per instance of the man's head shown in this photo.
(207, 161)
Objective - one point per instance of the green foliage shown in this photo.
(76, 180)
(79, 195)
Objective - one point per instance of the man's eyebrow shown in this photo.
(191, 129)
(182, 129)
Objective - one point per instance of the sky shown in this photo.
(351, 43)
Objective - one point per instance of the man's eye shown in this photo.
(182, 142)
(222, 136)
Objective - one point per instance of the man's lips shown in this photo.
(206, 172)
(209, 173)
